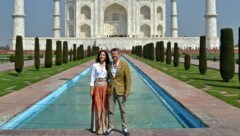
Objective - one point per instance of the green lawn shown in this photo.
(9, 81)
(211, 83)
(4, 56)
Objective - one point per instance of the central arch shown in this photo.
(115, 21)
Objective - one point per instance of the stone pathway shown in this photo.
(222, 118)
(10, 66)
(211, 64)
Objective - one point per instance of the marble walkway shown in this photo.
(222, 118)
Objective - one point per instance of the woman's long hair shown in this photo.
(107, 61)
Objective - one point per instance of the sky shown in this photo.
(39, 18)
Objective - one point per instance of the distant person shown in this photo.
(119, 89)
(98, 92)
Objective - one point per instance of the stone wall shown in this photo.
(108, 43)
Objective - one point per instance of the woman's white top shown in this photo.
(98, 72)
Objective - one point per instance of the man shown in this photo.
(119, 89)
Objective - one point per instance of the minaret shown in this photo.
(211, 23)
(56, 17)
(174, 28)
(18, 19)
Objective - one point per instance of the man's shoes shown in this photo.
(125, 132)
(108, 132)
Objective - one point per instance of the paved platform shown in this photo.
(222, 118)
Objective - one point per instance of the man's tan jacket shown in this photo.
(122, 81)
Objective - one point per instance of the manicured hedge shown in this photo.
(89, 51)
(48, 54)
(138, 50)
(59, 57)
(239, 53)
(133, 50)
(71, 55)
(161, 51)
(187, 61)
(19, 57)
(37, 54)
(168, 53)
(65, 52)
(78, 53)
(202, 55)
(227, 59)
(157, 51)
(82, 52)
(150, 50)
(74, 52)
(176, 55)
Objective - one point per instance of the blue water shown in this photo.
(72, 109)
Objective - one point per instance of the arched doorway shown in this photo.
(86, 12)
(85, 31)
(71, 13)
(70, 30)
(159, 13)
(145, 13)
(115, 21)
(160, 31)
(145, 31)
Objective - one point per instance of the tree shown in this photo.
(19, 57)
(157, 51)
(89, 51)
(151, 51)
(65, 52)
(78, 53)
(202, 55)
(59, 57)
(71, 55)
(227, 59)
(145, 51)
(74, 52)
(95, 50)
(168, 54)
(187, 61)
(48, 54)
(138, 50)
(161, 51)
(176, 55)
(82, 52)
(135, 48)
(37, 54)
(239, 54)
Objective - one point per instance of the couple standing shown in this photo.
(105, 94)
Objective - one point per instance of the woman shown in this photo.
(98, 92)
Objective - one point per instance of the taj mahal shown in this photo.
(116, 23)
